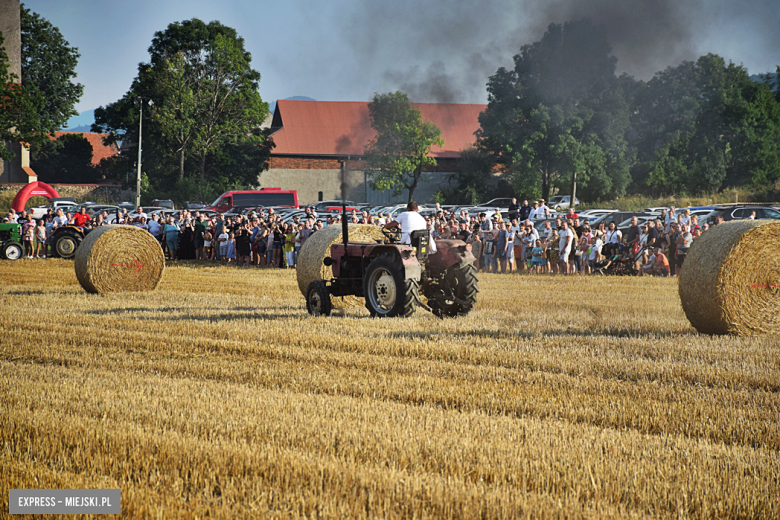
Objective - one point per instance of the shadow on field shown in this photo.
(24, 293)
(483, 333)
(194, 314)
(615, 332)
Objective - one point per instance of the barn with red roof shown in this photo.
(314, 138)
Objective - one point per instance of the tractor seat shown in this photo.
(419, 241)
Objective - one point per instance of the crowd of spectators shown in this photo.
(560, 245)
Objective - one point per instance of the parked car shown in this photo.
(560, 202)
(163, 203)
(92, 208)
(500, 202)
(740, 212)
(325, 204)
(641, 220)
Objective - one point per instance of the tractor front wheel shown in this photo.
(318, 299)
(66, 245)
(12, 251)
(388, 292)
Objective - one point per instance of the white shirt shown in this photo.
(60, 221)
(669, 220)
(516, 241)
(564, 234)
(154, 227)
(595, 249)
(613, 237)
(410, 221)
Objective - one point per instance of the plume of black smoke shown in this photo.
(445, 51)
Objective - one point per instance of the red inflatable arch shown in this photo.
(31, 190)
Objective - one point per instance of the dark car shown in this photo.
(741, 212)
(500, 202)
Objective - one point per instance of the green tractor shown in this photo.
(11, 241)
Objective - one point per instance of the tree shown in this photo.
(48, 66)
(703, 126)
(205, 99)
(66, 159)
(18, 109)
(558, 119)
(399, 152)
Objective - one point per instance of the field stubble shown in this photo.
(217, 395)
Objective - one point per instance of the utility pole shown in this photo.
(140, 101)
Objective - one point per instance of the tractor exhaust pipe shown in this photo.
(344, 225)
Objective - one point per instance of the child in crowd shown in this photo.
(231, 248)
(289, 246)
(207, 236)
(28, 233)
(537, 262)
(222, 243)
(40, 238)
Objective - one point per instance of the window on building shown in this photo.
(319, 196)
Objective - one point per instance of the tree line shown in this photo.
(559, 121)
(562, 121)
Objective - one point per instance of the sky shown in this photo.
(435, 51)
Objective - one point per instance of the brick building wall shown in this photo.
(315, 176)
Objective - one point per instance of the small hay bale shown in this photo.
(119, 258)
(310, 267)
(730, 282)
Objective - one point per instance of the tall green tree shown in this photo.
(558, 119)
(66, 159)
(48, 68)
(205, 98)
(19, 121)
(399, 152)
(704, 126)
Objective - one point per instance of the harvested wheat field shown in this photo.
(217, 396)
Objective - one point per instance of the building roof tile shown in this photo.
(344, 128)
(99, 150)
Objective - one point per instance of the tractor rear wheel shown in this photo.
(462, 284)
(318, 299)
(66, 245)
(12, 250)
(387, 290)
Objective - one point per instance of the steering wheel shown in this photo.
(393, 236)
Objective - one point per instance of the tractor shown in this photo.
(65, 240)
(391, 276)
(11, 241)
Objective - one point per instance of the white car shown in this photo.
(593, 213)
(560, 202)
(40, 211)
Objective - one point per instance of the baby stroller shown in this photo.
(620, 264)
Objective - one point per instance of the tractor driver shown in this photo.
(410, 221)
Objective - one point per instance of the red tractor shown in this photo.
(391, 276)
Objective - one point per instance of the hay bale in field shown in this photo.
(119, 258)
(730, 282)
(310, 267)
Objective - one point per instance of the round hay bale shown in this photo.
(310, 267)
(119, 258)
(730, 282)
